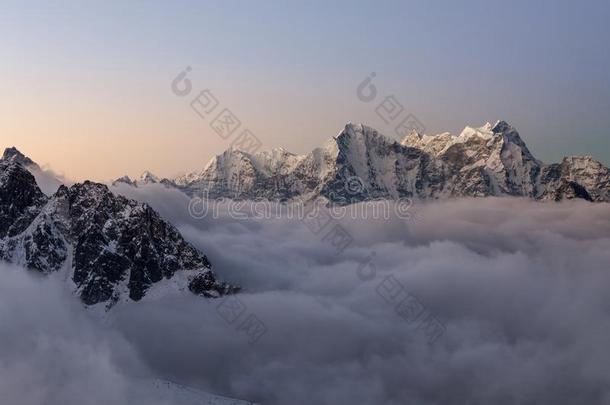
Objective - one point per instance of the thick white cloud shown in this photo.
(520, 286)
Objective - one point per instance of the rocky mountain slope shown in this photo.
(46, 180)
(113, 248)
(361, 164)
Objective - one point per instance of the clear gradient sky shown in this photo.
(85, 86)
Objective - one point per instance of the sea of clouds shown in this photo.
(519, 289)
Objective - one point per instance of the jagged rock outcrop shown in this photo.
(12, 154)
(113, 248)
(578, 176)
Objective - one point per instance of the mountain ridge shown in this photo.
(116, 249)
(361, 164)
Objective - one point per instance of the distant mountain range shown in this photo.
(361, 164)
(110, 248)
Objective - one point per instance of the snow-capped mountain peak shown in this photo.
(147, 177)
(125, 180)
(14, 155)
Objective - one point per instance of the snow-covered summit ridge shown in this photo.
(489, 160)
(12, 154)
(145, 178)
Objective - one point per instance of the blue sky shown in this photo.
(92, 78)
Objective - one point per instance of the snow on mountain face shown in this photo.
(276, 175)
(148, 177)
(145, 178)
(116, 248)
(13, 155)
(125, 180)
(578, 175)
(361, 164)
